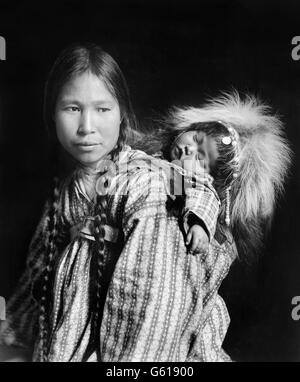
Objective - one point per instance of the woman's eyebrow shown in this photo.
(67, 101)
(102, 102)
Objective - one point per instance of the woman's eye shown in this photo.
(102, 109)
(72, 108)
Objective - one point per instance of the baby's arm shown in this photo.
(201, 201)
(197, 238)
(200, 212)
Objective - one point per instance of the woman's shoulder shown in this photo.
(134, 161)
(134, 156)
(140, 170)
(139, 160)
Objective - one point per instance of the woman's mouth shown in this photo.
(86, 146)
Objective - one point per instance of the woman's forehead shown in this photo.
(86, 86)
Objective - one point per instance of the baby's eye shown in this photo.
(190, 150)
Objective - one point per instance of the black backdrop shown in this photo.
(175, 52)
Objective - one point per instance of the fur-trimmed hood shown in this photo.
(264, 153)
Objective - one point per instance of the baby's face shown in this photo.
(185, 146)
(196, 147)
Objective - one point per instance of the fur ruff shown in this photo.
(264, 157)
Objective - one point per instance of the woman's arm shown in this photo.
(155, 297)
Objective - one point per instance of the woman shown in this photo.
(108, 276)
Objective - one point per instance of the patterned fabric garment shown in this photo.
(158, 301)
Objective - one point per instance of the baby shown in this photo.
(208, 152)
(197, 153)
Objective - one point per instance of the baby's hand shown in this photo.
(197, 238)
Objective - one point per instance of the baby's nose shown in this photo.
(185, 152)
(188, 151)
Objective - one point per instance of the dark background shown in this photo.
(175, 52)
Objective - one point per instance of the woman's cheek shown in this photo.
(59, 122)
(66, 125)
(63, 130)
(111, 125)
(114, 119)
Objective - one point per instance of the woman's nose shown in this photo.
(85, 124)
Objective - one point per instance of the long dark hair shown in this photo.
(75, 60)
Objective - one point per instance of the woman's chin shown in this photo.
(89, 159)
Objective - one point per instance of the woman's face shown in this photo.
(87, 119)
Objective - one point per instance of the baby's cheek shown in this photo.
(173, 155)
